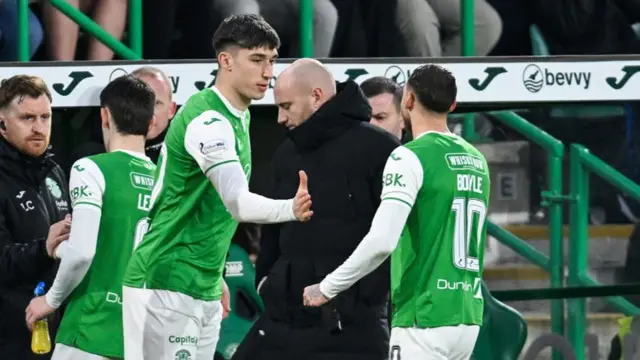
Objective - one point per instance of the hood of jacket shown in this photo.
(347, 108)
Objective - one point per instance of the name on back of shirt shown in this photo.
(468, 182)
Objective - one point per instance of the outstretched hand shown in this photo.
(302, 201)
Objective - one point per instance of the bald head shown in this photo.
(307, 74)
(165, 106)
(301, 89)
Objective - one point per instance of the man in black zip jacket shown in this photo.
(344, 156)
(34, 208)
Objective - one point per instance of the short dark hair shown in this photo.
(378, 85)
(22, 86)
(247, 31)
(435, 87)
(131, 103)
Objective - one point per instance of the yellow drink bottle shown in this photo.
(40, 340)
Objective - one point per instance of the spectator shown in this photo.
(384, 96)
(34, 207)
(433, 28)
(63, 32)
(330, 139)
(9, 31)
(284, 16)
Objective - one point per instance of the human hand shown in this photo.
(313, 297)
(58, 233)
(225, 300)
(302, 200)
(37, 309)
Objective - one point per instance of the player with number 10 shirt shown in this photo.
(431, 221)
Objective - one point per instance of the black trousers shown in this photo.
(269, 340)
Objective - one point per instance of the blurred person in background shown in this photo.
(433, 28)
(284, 16)
(384, 96)
(9, 31)
(165, 109)
(62, 32)
(34, 208)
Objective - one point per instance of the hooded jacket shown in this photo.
(344, 158)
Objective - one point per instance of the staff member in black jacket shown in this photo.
(34, 208)
(331, 139)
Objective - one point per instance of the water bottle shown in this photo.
(40, 340)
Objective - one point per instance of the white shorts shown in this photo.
(64, 352)
(166, 325)
(441, 343)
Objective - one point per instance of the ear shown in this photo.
(225, 60)
(317, 95)
(152, 123)
(409, 101)
(172, 110)
(452, 107)
(104, 117)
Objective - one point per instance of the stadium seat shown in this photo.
(503, 331)
(246, 304)
(540, 48)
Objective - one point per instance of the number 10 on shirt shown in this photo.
(470, 215)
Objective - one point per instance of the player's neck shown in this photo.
(233, 97)
(133, 143)
(425, 122)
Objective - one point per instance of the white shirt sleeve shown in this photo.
(87, 186)
(210, 140)
(402, 177)
(402, 181)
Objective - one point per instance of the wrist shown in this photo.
(324, 288)
(291, 213)
(50, 301)
(58, 252)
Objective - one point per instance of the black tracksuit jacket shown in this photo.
(33, 196)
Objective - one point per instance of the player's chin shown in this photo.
(258, 95)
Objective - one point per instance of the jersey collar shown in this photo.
(226, 103)
(434, 132)
(134, 154)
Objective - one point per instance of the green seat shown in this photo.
(503, 332)
(540, 48)
(246, 304)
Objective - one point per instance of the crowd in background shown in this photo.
(342, 28)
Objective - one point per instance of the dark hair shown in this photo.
(22, 86)
(247, 31)
(378, 85)
(434, 86)
(131, 103)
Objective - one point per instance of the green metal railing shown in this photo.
(306, 28)
(582, 164)
(134, 30)
(468, 49)
(553, 199)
